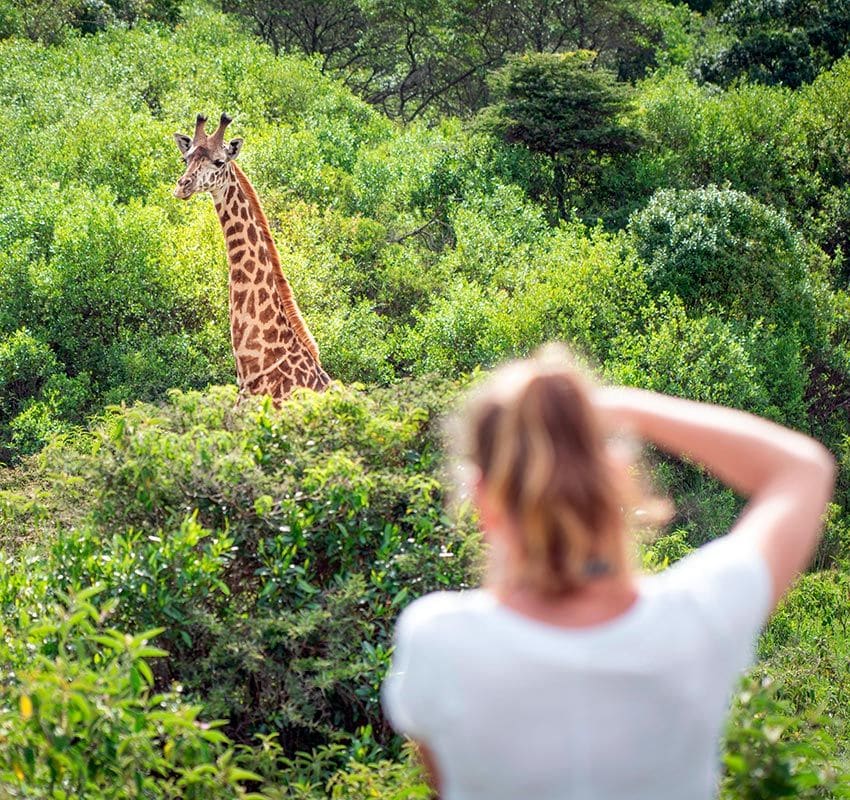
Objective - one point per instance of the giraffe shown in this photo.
(274, 350)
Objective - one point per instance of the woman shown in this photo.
(568, 676)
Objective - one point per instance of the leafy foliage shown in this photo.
(562, 107)
(79, 718)
(412, 58)
(275, 548)
(50, 22)
(715, 247)
(773, 753)
(780, 42)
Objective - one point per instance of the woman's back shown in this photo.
(506, 707)
(515, 708)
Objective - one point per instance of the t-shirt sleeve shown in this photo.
(410, 692)
(730, 584)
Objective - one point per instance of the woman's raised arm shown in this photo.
(787, 476)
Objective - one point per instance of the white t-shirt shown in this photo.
(632, 709)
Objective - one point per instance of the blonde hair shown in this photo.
(533, 435)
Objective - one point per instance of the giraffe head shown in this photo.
(206, 157)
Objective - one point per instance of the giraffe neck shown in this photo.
(273, 348)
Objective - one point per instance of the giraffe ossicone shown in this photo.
(274, 350)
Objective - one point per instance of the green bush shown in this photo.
(787, 43)
(26, 364)
(666, 550)
(496, 237)
(720, 247)
(33, 428)
(571, 284)
(781, 147)
(585, 287)
(356, 345)
(79, 717)
(700, 357)
(157, 579)
(457, 333)
(770, 752)
(310, 528)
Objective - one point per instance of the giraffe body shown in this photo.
(273, 348)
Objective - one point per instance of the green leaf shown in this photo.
(237, 774)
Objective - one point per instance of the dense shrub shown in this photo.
(276, 547)
(79, 718)
(26, 364)
(782, 147)
(701, 357)
(770, 752)
(51, 22)
(720, 247)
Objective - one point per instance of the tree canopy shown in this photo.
(563, 106)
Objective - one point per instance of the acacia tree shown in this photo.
(563, 107)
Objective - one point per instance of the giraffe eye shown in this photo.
(219, 162)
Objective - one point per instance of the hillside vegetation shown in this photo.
(197, 597)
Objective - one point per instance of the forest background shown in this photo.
(197, 600)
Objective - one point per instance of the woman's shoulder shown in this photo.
(726, 584)
(439, 609)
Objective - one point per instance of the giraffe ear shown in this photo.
(183, 142)
(233, 148)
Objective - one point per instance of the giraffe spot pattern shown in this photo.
(252, 342)
(266, 314)
(263, 339)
